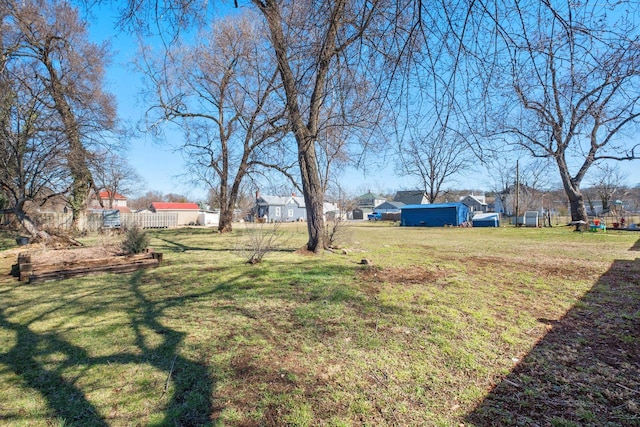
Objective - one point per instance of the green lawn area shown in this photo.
(445, 327)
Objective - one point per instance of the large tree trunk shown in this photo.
(228, 196)
(77, 158)
(79, 197)
(28, 224)
(576, 203)
(305, 133)
(313, 197)
(572, 189)
(226, 219)
(226, 204)
(229, 199)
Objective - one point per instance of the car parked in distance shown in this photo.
(374, 216)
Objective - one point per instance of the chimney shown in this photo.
(293, 194)
(257, 194)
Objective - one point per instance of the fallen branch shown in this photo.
(628, 389)
(166, 383)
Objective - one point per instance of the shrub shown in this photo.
(261, 238)
(135, 240)
(336, 232)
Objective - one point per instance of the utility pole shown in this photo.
(517, 190)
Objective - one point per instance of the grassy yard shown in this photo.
(444, 327)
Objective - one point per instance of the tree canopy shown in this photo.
(48, 44)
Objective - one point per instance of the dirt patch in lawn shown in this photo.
(42, 255)
(402, 275)
(546, 267)
(373, 277)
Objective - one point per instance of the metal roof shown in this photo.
(170, 206)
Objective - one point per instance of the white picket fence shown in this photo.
(149, 219)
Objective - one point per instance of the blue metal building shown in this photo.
(437, 215)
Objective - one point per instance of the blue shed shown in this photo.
(437, 215)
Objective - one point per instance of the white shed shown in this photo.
(209, 219)
(531, 219)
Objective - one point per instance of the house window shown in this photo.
(290, 213)
(278, 212)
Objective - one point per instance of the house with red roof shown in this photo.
(187, 212)
(109, 201)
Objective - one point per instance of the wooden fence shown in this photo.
(58, 221)
(94, 221)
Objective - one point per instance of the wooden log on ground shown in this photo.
(85, 271)
(91, 263)
(25, 270)
(119, 264)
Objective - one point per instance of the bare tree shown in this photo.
(569, 80)
(434, 159)
(176, 198)
(631, 201)
(314, 42)
(605, 185)
(224, 95)
(502, 176)
(325, 51)
(70, 67)
(113, 174)
(533, 185)
(333, 154)
(144, 201)
(530, 179)
(32, 166)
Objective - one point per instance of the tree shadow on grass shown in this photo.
(175, 246)
(53, 363)
(188, 402)
(65, 400)
(586, 370)
(241, 250)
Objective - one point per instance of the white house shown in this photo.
(119, 201)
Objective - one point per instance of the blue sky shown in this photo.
(157, 163)
(160, 165)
